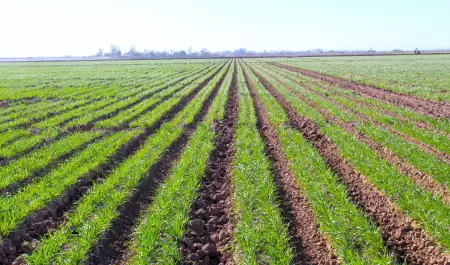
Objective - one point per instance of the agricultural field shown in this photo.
(226, 161)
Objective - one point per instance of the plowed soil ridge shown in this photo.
(428, 107)
(410, 244)
(210, 229)
(24, 239)
(111, 248)
(311, 246)
(422, 179)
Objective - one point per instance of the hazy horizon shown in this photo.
(80, 28)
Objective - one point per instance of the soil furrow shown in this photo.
(24, 239)
(402, 165)
(311, 245)
(409, 243)
(210, 229)
(430, 108)
(111, 248)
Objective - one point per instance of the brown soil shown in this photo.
(428, 107)
(210, 229)
(311, 245)
(24, 239)
(112, 249)
(4, 103)
(403, 166)
(409, 243)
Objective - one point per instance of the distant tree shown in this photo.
(115, 51)
(99, 53)
(182, 53)
(189, 50)
(205, 52)
(133, 52)
(241, 51)
(416, 51)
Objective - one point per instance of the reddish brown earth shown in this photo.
(403, 166)
(409, 243)
(210, 228)
(4, 103)
(25, 238)
(428, 107)
(311, 245)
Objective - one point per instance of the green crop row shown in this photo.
(36, 195)
(351, 234)
(25, 166)
(416, 202)
(96, 211)
(260, 236)
(156, 238)
(425, 162)
(364, 101)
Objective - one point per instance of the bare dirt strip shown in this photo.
(422, 179)
(4, 103)
(410, 244)
(210, 228)
(311, 245)
(430, 108)
(24, 239)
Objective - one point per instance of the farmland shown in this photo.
(226, 161)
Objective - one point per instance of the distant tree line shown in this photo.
(115, 52)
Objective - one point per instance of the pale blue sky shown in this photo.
(80, 27)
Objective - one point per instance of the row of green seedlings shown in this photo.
(50, 132)
(42, 108)
(94, 213)
(72, 85)
(428, 210)
(386, 79)
(350, 234)
(40, 111)
(424, 162)
(24, 167)
(157, 235)
(435, 140)
(134, 102)
(177, 91)
(373, 103)
(369, 103)
(261, 235)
